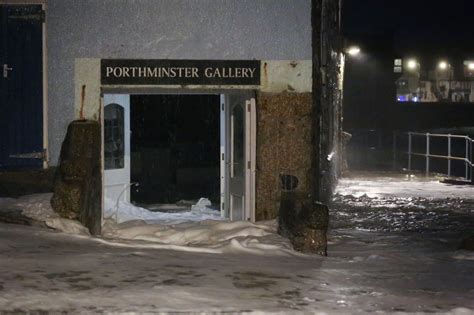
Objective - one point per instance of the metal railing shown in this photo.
(466, 157)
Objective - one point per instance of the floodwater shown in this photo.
(403, 214)
(402, 235)
(393, 248)
(392, 203)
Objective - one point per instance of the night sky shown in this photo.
(434, 27)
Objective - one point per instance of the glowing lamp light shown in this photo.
(412, 64)
(443, 65)
(470, 66)
(353, 51)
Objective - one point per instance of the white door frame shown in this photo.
(250, 146)
(223, 160)
(250, 156)
(118, 178)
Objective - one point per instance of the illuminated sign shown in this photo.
(179, 72)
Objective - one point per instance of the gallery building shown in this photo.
(191, 99)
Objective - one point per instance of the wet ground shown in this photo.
(393, 248)
(404, 214)
(403, 203)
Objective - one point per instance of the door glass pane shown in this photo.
(114, 137)
(237, 141)
(237, 207)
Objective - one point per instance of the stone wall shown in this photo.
(284, 137)
(78, 184)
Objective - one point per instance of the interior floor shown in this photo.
(175, 148)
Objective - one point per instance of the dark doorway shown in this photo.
(21, 86)
(175, 148)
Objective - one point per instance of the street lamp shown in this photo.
(444, 71)
(412, 64)
(469, 68)
(443, 65)
(353, 50)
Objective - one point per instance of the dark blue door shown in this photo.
(21, 87)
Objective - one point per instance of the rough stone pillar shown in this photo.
(302, 220)
(283, 147)
(78, 182)
(285, 170)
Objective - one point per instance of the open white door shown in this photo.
(238, 160)
(223, 160)
(117, 147)
(251, 156)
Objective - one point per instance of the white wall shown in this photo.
(165, 29)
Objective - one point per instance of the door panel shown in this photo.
(251, 157)
(237, 207)
(239, 156)
(21, 87)
(237, 159)
(117, 147)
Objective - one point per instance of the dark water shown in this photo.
(402, 214)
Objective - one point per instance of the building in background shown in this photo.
(442, 81)
(388, 90)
